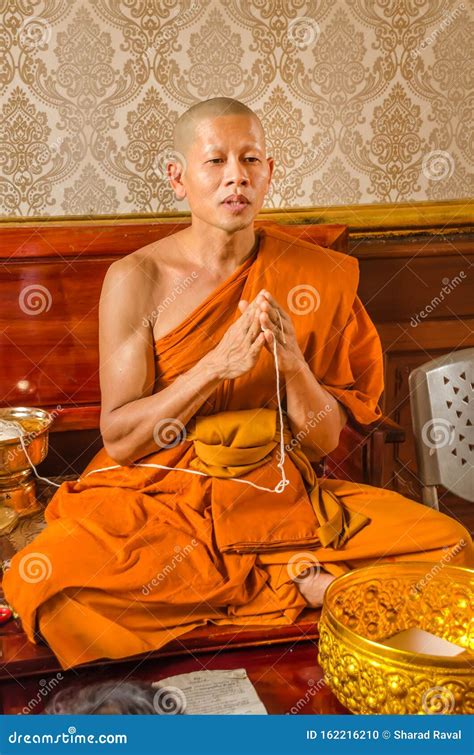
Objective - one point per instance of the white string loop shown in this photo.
(279, 487)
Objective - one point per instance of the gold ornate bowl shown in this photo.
(366, 606)
(17, 489)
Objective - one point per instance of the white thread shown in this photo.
(279, 487)
(20, 435)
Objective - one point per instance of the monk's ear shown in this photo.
(271, 165)
(175, 172)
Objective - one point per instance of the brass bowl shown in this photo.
(366, 606)
(36, 423)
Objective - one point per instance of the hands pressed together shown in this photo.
(261, 321)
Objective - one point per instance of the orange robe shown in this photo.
(134, 557)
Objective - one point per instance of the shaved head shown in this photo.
(185, 128)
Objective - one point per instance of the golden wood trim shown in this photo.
(365, 219)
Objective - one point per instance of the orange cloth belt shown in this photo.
(233, 443)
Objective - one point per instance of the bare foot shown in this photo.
(313, 586)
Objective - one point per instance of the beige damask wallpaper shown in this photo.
(363, 101)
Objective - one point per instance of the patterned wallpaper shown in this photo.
(363, 101)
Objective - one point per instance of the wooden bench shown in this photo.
(50, 278)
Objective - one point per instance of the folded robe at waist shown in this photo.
(244, 443)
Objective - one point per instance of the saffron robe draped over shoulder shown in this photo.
(133, 557)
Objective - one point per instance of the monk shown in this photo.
(230, 359)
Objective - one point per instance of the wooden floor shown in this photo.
(283, 667)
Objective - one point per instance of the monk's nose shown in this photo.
(236, 173)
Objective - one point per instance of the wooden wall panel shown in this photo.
(400, 278)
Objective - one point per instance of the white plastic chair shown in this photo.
(442, 410)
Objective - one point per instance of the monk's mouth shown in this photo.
(235, 205)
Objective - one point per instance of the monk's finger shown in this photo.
(275, 328)
(271, 334)
(248, 312)
(257, 344)
(272, 313)
(275, 304)
(255, 327)
(270, 318)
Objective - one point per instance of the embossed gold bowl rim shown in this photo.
(408, 569)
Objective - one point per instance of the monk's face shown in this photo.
(226, 157)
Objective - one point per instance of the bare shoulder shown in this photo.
(137, 281)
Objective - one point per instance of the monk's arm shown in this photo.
(136, 430)
(316, 417)
(135, 421)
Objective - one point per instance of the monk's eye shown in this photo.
(253, 159)
(215, 160)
